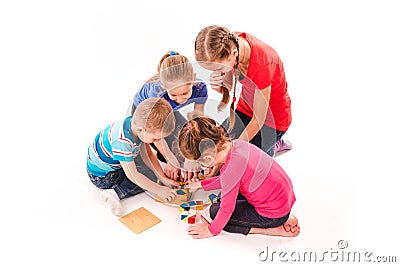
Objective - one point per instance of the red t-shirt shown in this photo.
(265, 69)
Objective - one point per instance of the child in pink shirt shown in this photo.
(256, 193)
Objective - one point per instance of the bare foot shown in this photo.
(277, 231)
(290, 228)
(292, 224)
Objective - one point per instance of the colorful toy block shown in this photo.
(199, 205)
(184, 215)
(181, 192)
(212, 198)
(192, 219)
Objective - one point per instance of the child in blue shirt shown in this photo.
(175, 82)
(113, 160)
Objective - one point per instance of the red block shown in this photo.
(192, 219)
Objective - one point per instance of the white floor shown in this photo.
(68, 69)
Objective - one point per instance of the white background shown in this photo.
(68, 68)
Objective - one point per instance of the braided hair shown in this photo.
(216, 43)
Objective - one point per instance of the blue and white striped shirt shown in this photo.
(113, 144)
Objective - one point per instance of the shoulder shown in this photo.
(152, 87)
(263, 52)
(199, 88)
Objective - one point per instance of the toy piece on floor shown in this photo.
(181, 197)
(139, 220)
(188, 214)
(198, 205)
(192, 219)
(184, 215)
(213, 198)
(181, 192)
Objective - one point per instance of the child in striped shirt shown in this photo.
(113, 163)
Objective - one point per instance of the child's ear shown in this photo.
(235, 52)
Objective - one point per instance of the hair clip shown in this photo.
(172, 53)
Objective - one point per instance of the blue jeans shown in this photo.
(121, 184)
(265, 139)
(245, 217)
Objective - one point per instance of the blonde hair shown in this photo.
(198, 130)
(173, 67)
(155, 115)
(216, 43)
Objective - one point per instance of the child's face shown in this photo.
(223, 66)
(211, 158)
(181, 93)
(149, 137)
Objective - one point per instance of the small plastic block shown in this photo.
(180, 192)
(212, 198)
(185, 206)
(184, 215)
(183, 209)
(199, 205)
(192, 203)
(192, 219)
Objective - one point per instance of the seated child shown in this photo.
(256, 193)
(175, 82)
(113, 161)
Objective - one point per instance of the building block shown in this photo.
(192, 219)
(212, 198)
(199, 205)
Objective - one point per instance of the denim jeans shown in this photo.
(245, 217)
(265, 138)
(121, 184)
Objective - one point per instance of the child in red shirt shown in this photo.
(264, 106)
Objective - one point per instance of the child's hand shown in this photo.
(168, 182)
(166, 194)
(220, 79)
(216, 80)
(191, 170)
(213, 171)
(172, 171)
(200, 230)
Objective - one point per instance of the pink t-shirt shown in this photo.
(258, 177)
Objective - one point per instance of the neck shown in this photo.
(244, 50)
(134, 133)
(244, 55)
(226, 150)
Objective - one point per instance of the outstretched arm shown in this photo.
(145, 183)
(172, 169)
(152, 162)
(260, 109)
